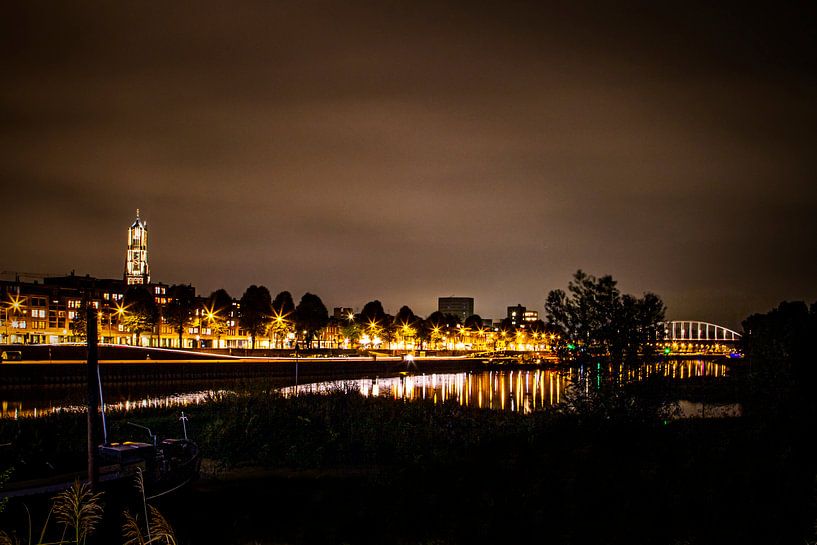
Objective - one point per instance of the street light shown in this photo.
(206, 313)
(120, 311)
(279, 323)
(481, 335)
(291, 338)
(13, 304)
(374, 327)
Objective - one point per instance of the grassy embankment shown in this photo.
(606, 468)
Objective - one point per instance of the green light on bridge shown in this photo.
(666, 350)
(571, 346)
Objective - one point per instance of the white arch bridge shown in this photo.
(695, 337)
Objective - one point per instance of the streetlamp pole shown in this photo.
(296, 368)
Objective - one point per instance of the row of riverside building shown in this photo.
(45, 309)
(38, 309)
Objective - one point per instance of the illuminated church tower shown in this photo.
(137, 270)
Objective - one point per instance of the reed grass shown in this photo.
(79, 510)
(157, 530)
(320, 430)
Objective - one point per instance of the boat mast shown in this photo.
(93, 395)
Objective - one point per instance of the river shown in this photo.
(517, 390)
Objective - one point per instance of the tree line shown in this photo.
(591, 318)
(279, 319)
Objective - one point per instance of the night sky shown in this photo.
(410, 150)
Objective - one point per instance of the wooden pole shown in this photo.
(93, 396)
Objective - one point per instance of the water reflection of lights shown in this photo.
(19, 410)
(518, 390)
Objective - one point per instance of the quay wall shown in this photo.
(28, 374)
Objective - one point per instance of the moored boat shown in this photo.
(165, 466)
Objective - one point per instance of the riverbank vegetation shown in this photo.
(593, 318)
(610, 465)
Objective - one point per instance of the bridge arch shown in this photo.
(694, 330)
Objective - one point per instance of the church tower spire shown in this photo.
(137, 270)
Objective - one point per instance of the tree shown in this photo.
(473, 326)
(350, 330)
(452, 320)
(79, 324)
(473, 322)
(310, 316)
(437, 324)
(255, 311)
(559, 313)
(404, 324)
(596, 318)
(389, 329)
(373, 318)
(179, 311)
(650, 311)
(405, 316)
(438, 319)
(422, 332)
(219, 308)
(220, 302)
(142, 312)
(373, 312)
(506, 325)
(283, 303)
(779, 344)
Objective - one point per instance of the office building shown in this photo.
(461, 307)
(516, 315)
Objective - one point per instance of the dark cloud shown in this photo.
(408, 150)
